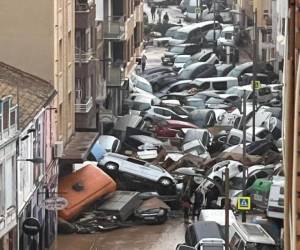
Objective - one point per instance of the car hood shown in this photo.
(169, 54)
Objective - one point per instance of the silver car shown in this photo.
(112, 162)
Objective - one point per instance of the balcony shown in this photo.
(84, 107)
(82, 56)
(115, 76)
(114, 28)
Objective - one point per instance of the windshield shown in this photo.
(199, 149)
(234, 73)
(210, 35)
(181, 59)
(178, 110)
(143, 86)
(236, 183)
(180, 35)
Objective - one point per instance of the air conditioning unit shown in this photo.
(58, 149)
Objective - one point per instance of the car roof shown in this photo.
(183, 123)
(195, 65)
(206, 229)
(184, 45)
(191, 27)
(243, 66)
(183, 56)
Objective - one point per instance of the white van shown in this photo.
(244, 236)
(217, 215)
(275, 208)
(216, 83)
(193, 33)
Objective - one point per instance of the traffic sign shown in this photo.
(244, 203)
(256, 84)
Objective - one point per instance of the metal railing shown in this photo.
(84, 107)
(82, 56)
(114, 27)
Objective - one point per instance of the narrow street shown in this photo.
(156, 237)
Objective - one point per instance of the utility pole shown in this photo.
(226, 208)
(215, 42)
(244, 151)
(255, 42)
(197, 13)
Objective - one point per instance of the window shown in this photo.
(283, 26)
(219, 85)
(234, 140)
(13, 117)
(5, 114)
(158, 111)
(204, 86)
(10, 187)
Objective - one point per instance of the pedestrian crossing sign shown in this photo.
(256, 84)
(244, 203)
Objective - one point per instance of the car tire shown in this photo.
(111, 166)
(165, 182)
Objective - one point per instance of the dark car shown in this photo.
(223, 69)
(197, 70)
(176, 87)
(182, 49)
(156, 70)
(200, 230)
(248, 77)
(247, 67)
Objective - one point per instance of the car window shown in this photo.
(158, 111)
(263, 134)
(219, 85)
(114, 146)
(180, 35)
(204, 86)
(167, 112)
(235, 242)
(234, 140)
(136, 161)
(264, 91)
(205, 57)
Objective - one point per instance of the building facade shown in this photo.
(123, 43)
(8, 185)
(36, 172)
(38, 37)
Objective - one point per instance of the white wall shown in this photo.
(99, 10)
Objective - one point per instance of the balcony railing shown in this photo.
(114, 28)
(84, 107)
(82, 56)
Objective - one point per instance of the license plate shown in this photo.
(257, 197)
(149, 218)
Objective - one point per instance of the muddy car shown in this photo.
(138, 172)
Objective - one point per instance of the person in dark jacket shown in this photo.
(198, 201)
(153, 10)
(186, 205)
(166, 17)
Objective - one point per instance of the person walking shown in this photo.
(153, 10)
(143, 61)
(166, 17)
(159, 13)
(186, 205)
(198, 201)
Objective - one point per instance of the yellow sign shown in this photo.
(244, 203)
(256, 84)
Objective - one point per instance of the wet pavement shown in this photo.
(147, 237)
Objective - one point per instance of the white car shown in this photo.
(137, 169)
(109, 143)
(138, 84)
(157, 113)
(227, 36)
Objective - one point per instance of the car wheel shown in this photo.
(165, 182)
(111, 166)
